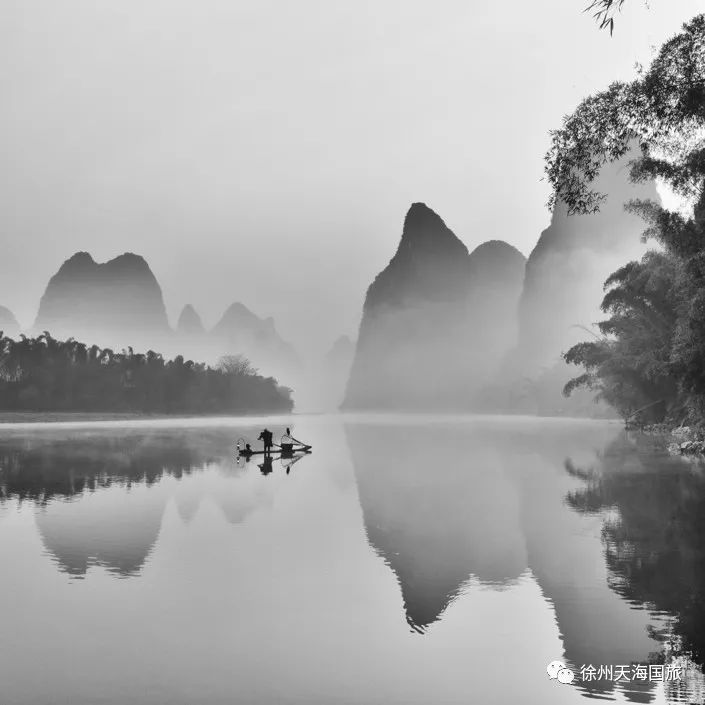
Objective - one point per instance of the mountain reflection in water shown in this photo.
(436, 514)
(82, 525)
(452, 509)
(609, 529)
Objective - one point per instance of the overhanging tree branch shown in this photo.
(604, 12)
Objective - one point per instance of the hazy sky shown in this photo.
(267, 151)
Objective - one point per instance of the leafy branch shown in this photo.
(604, 12)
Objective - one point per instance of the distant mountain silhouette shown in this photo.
(320, 385)
(565, 274)
(436, 320)
(341, 352)
(240, 331)
(336, 370)
(116, 304)
(119, 304)
(191, 339)
(8, 323)
(189, 323)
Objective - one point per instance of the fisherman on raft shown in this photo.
(266, 437)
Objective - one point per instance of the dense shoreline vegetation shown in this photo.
(43, 374)
(649, 360)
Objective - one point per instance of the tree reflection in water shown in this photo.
(653, 534)
(53, 467)
(99, 497)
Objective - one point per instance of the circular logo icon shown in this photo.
(565, 675)
(553, 668)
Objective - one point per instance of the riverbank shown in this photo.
(39, 417)
(679, 440)
(686, 441)
(69, 416)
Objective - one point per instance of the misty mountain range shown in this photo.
(568, 266)
(114, 304)
(119, 304)
(436, 320)
(442, 328)
(8, 322)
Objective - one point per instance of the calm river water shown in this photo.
(407, 560)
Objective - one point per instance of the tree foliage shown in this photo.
(654, 340)
(45, 374)
(662, 111)
(630, 365)
(604, 12)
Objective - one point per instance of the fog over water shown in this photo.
(267, 152)
(409, 559)
(289, 341)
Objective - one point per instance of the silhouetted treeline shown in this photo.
(45, 374)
